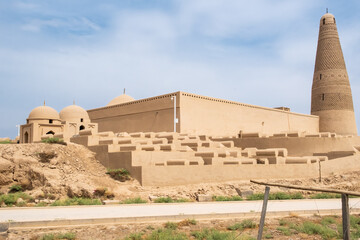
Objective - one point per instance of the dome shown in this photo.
(44, 112)
(121, 99)
(73, 112)
(327, 18)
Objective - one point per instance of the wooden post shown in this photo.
(263, 212)
(345, 216)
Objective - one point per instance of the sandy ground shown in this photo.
(112, 232)
(57, 171)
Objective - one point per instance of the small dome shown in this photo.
(73, 112)
(121, 99)
(44, 112)
(327, 18)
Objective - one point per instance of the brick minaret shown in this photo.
(331, 97)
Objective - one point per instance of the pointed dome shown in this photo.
(43, 112)
(120, 100)
(73, 113)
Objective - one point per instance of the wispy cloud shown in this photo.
(255, 52)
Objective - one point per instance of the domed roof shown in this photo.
(121, 99)
(327, 15)
(327, 18)
(73, 112)
(44, 112)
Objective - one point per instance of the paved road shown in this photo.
(161, 210)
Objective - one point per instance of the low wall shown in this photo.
(299, 146)
(181, 175)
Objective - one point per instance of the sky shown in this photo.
(257, 52)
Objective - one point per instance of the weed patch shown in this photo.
(276, 196)
(242, 225)
(76, 201)
(58, 236)
(15, 188)
(170, 225)
(166, 234)
(54, 141)
(133, 201)
(225, 198)
(120, 174)
(213, 234)
(325, 196)
(170, 200)
(11, 198)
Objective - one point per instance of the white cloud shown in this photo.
(255, 52)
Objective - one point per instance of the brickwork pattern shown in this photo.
(331, 87)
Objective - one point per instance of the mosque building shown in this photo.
(183, 138)
(331, 108)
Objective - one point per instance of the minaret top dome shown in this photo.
(327, 18)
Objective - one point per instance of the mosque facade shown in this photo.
(331, 108)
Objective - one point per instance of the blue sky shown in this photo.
(257, 52)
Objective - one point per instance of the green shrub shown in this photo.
(276, 196)
(11, 198)
(268, 236)
(54, 141)
(170, 225)
(15, 188)
(164, 200)
(285, 230)
(59, 236)
(120, 174)
(170, 200)
(187, 222)
(325, 196)
(133, 201)
(6, 142)
(243, 225)
(328, 220)
(255, 196)
(76, 201)
(166, 234)
(311, 228)
(282, 222)
(225, 198)
(213, 234)
(135, 236)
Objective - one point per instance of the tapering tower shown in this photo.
(331, 97)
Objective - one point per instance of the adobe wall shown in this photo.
(300, 146)
(154, 114)
(181, 175)
(211, 116)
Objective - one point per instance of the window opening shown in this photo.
(82, 127)
(323, 21)
(50, 132)
(50, 121)
(323, 97)
(320, 76)
(81, 120)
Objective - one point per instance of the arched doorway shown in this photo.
(50, 132)
(26, 137)
(82, 127)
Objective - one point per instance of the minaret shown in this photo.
(331, 97)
